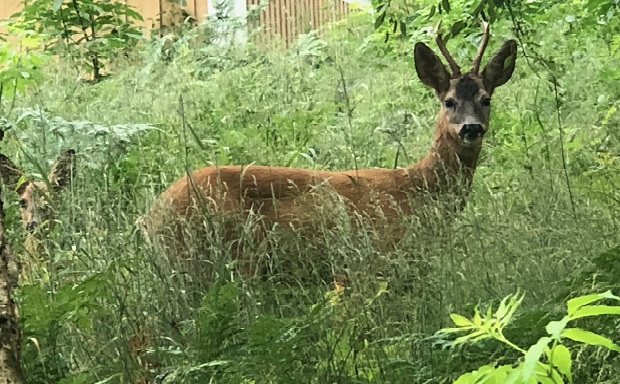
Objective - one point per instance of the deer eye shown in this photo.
(486, 102)
(450, 103)
(23, 203)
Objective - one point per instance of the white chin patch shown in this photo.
(472, 142)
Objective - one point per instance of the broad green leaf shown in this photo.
(560, 358)
(479, 335)
(57, 4)
(577, 302)
(498, 375)
(514, 377)
(133, 14)
(595, 310)
(590, 338)
(461, 321)
(446, 5)
(380, 18)
(542, 375)
(555, 328)
(475, 376)
(545, 380)
(532, 357)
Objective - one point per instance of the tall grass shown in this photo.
(104, 305)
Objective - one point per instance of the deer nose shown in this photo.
(472, 131)
(31, 226)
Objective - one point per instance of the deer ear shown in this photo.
(9, 172)
(499, 69)
(430, 69)
(63, 170)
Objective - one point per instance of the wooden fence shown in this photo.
(283, 19)
(290, 18)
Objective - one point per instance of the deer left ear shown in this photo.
(430, 69)
(63, 170)
(501, 66)
(9, 172)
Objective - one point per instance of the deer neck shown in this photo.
(448, 165)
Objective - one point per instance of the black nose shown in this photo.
(471, 131)
(31, 226)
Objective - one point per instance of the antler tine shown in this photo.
(483, 45)
(456, 70)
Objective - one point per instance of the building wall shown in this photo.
(8, 8)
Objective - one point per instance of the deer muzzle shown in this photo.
(31, 226)
(472, 132)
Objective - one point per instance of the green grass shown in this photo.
(99, 284)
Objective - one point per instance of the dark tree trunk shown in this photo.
(10, 335)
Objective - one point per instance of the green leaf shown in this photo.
(560, 358)
(446, 5)
(479, 335)
(532, 357)
(460, 321)
(513, 305)
(595, 310)
(477, 320)
(555, 328)
(545, 374)
(590, 338)
(485, 374)
(432, 12)
(502, 310)
(379, 20)
(133, 14)
(57, 4)
(450, 330)
(457, 27)
(577, 302)
(514, 377)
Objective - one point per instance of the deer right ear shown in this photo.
(63, 170)
(430, 69)
(499, 69)
(9, 172)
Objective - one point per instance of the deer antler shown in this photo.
(456, 70)
(483, 45)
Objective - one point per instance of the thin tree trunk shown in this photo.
(10, 335)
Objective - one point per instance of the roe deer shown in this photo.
(34, 196)
(286, 196)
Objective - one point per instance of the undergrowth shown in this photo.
(542, 216)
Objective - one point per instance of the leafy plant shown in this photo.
(20, 66)
(402, 15)
(100, 141)
(92, 31)
(547, 361)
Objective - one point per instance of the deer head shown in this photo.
(34, 196)
(465, 97)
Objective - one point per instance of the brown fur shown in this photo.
(34, 196)
(289, 196)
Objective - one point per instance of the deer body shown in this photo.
(275, 192)
(288, 196)
(35, 198)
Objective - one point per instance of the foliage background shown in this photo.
(543, 215)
